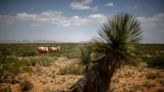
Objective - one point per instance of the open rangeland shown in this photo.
(60, 70)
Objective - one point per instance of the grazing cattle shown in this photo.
(58, 47)
(55, 49)
(42, 50)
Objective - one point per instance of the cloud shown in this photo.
(57, 18)
(110, 4)
(153, 28)
(83, 5)
(89, 20)
(153, 22)
(51, 18)
(42, 17)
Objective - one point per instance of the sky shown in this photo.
(75, 20)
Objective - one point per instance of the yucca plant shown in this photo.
(116, 46)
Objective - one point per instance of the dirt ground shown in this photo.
(127, 79)
(134, 79)
(47, 79)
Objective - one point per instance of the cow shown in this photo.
(42, 50)
(55, 49)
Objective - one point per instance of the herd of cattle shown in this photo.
(44, 50)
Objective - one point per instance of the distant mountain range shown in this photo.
(50, 41)
(38, 41)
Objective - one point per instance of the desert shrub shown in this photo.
(5, 51)
(152, 75)
(26, 85)
(5, 89)
(69, 50)
(70, 53)
(26, 52)
(28, 62)
(142, 64)
(148, 84)
(31, 61)
(27, 69)
(135, 87)
(71, 69)
(9, 67)
(156, 62)
(44, 62)
(41, 61)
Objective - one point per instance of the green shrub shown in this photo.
(72, 69)
(26, 52)
(26, 85)
(156, 62)
(152, 75)
(9, 67)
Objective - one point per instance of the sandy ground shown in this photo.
(48, 79)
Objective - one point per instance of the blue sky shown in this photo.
(75, 20)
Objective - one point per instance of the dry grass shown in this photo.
(134, 79)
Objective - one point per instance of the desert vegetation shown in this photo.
(61, 70)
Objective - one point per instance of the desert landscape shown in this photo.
(81, 45)
(61, 70)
